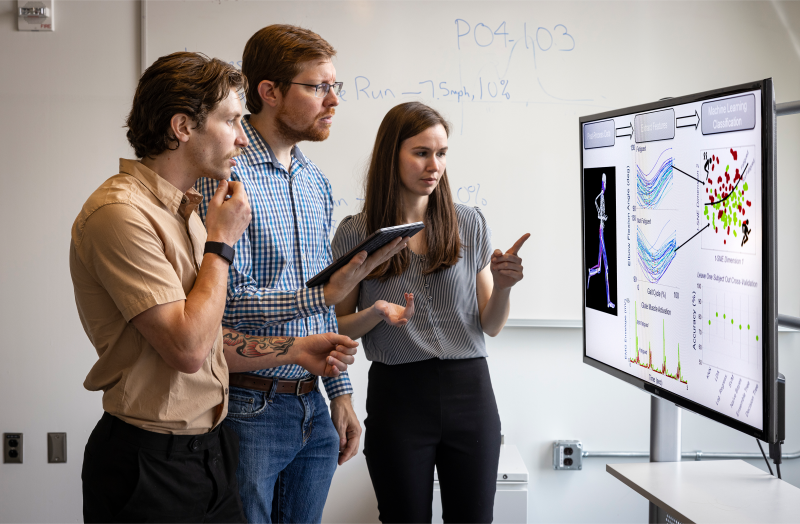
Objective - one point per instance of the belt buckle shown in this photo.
(300, 382)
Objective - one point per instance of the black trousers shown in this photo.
(133, 475)
(434, 412)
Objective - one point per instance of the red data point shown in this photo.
(748, 203)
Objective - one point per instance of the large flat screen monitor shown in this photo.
(679, 263)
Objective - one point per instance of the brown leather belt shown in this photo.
(294, 387)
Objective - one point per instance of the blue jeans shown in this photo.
(288, 451)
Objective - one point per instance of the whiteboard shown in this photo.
(512, 78)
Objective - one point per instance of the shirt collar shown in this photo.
(166, 193)
(259, 152)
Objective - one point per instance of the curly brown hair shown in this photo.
(184, 82)
(278, 53)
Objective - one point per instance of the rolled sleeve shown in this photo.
(250, 307)
(311, 301)
(123, 251)
(338, 386)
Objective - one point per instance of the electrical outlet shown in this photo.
(12, 448)
(567, 454)
(56, 448)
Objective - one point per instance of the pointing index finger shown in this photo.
(518, 244)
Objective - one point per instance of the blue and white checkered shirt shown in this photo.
(286, 243)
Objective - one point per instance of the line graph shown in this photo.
(654, 261)
(653, 186)
(649, 363)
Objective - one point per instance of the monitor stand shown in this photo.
(665, 442)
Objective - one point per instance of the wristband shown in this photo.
(222, 249)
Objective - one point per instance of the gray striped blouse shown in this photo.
(446, 323)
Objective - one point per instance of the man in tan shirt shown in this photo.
(150, 287)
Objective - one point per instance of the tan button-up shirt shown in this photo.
(138, 243)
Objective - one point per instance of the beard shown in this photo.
(310, 133)
(210, 169)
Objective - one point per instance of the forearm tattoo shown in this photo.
(251, 347)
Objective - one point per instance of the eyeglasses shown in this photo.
(321, 90)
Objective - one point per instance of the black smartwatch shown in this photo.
(222, 249)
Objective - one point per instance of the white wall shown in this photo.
(63, 101)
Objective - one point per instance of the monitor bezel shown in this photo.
(769, 260)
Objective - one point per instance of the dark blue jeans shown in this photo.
(288, 451)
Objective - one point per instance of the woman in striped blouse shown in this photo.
(430, 400)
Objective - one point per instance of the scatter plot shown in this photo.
(729, 199)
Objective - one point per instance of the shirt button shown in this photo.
(183, 200)
(430, 298)
(226, 391)
(195, 445)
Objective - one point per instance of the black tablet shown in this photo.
(372, 243)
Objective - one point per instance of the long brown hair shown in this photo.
(383, 204)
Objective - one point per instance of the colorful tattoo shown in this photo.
(251, 347)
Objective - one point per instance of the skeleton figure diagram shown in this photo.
(600, 204)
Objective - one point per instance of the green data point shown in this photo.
(748, 326)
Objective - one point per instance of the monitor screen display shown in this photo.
(674, 249)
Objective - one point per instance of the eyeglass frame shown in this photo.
(317, 88)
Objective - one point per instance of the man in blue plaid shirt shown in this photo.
(289, 446)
